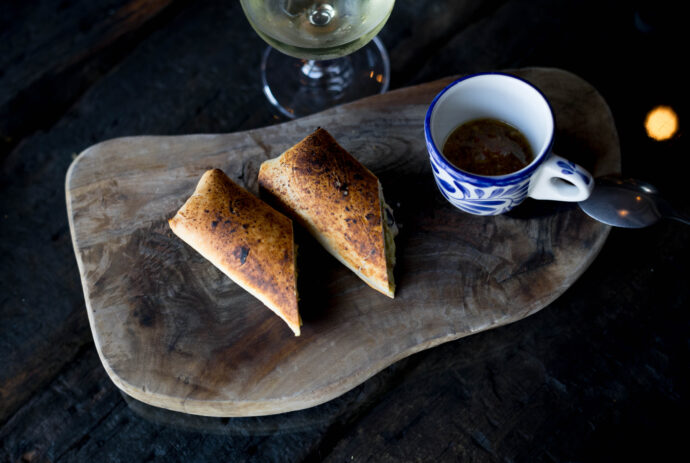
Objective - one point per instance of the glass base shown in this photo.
(298, 87)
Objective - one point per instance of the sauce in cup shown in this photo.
(488, 147)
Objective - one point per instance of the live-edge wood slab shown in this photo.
(173, 331)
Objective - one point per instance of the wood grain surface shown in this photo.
(173, 331)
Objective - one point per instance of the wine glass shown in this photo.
(330, 52)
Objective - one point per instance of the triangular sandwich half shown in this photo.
(323, 187)
(245, 238)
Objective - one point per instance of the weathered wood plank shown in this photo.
(82, 416)
(435, 24)
(50, 52)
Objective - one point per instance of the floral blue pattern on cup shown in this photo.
(488, 200)
(570, 168)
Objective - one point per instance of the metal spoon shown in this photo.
(628, 203)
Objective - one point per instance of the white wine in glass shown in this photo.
(330, 53)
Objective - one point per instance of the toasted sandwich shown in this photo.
(329, 192)
(245, 238)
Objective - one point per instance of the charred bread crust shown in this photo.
(329, 192)
(245, 238)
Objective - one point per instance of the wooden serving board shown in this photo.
(173, 331)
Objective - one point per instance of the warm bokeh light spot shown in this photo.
(623, 212)
(661, 123)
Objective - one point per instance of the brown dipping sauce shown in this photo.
(488, 147)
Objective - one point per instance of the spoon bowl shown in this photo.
(628, 203)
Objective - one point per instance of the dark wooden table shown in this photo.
(599, 375)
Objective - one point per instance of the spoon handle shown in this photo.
(680, 219)
(670, 212)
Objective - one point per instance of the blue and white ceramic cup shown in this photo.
(514, 101)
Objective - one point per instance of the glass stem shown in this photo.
(334, 75)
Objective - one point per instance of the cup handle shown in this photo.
(561, 180)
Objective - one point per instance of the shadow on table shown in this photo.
(285, 423)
